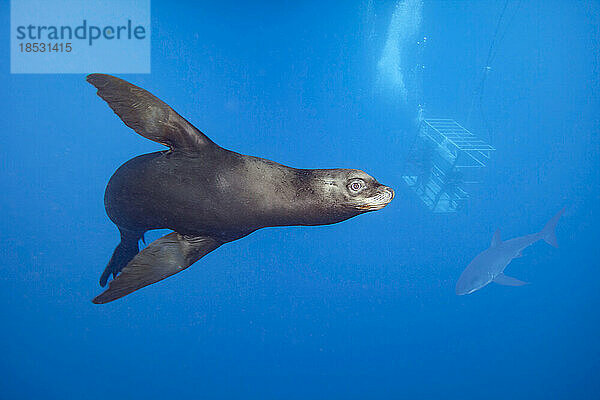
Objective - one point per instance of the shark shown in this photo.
(489, 265)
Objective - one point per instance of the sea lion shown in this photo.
(206, 194)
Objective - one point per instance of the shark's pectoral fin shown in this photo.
(162, 258)
(508, 280)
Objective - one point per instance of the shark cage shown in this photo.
(443, 163)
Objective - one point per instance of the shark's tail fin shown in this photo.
(549, 231)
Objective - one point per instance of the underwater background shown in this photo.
(364, 309)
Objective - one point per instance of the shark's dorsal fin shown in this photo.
(496, 240)
(148, 115)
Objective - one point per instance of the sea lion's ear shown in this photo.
(148, 115)
(164, 257)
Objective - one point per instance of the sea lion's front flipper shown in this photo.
(148, 115)
(162, 258)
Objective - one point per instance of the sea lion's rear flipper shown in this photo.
(162, 258)
(124, 252)
(148, 115)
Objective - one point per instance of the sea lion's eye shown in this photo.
(356, 185)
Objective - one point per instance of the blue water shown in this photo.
(364, 309)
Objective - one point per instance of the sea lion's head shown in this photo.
(362, 192)
(354, 190)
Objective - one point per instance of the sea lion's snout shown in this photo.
(383, 196)
(390, 191)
